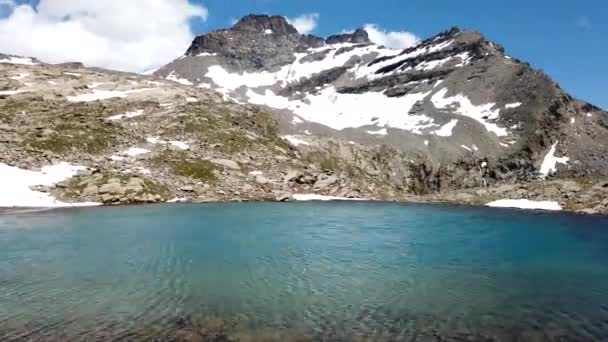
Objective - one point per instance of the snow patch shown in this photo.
(116, 158)
(383, 131)
(513, 105)
(446, 130)
(179, 144)
(525, 204)
(18, 60)
(135, 151)
(464, 107)
(178, 200)
(340, 111)
(191, 99)
(550, 162)
(268, 31)
(372, 72)
(294, 140)
(11, 92)
(464, 58)
(572, 121)
(72, 74)
(296, 120)
(176, 143)
(313, 197)
(292, 72)
(16, 183)
(126, 115)
(173, 77)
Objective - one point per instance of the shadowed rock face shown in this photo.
(360, 36)
(262, 23)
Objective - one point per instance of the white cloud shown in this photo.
(393, 40)
(132, 35)
(306, 23)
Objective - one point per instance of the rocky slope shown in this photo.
(259, 111)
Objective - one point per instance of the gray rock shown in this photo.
(325, 181)
(464, 197)
(293, 175)
(90, 191)
(112, 188)
(187, 188)
(108, 198)
(283, 196)
(261, 180)
(227, 163)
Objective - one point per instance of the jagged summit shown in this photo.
(259, 23)
(360, 36)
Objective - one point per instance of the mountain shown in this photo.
(259, 111)
(453, 96)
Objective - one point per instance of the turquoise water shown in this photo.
(324, 271)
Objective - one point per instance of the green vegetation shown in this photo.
(63, 127)
(329, 164)
(89, 141)
(232, 131)
(184, 166)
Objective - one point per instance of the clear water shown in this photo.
(326, 271)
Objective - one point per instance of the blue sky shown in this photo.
(567, 39)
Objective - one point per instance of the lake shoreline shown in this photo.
(415, 200)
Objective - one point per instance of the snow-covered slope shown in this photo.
(453, 96)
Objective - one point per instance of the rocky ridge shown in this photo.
(451, 119)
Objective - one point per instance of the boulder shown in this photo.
(325, 181)
(112, 188)
(90, 191)
(293, 175)
(283, 196)
(227, 163)
(261, 179)
(187, 188)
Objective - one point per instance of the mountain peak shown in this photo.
(360, 36)
(256, 23)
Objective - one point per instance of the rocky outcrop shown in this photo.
(360, 36)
